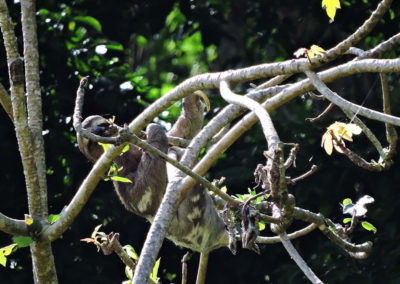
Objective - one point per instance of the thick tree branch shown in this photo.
(34, 102)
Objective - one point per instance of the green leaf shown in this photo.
(346, 220)
(126, 148)
(261, 226)
(347, 201)
(53, 218)
(128, 272)
(153, 275)
(368, 226)
(131, 252)
(115, 46)
(22, 241)
(8, 249)
(3, 259)
(88, 20)
(121, 179)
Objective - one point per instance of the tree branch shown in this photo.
(5, 102)
(344, 104)
(12, 226)
(298, 259)
(294, 235)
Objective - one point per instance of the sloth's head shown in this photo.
(100, 126)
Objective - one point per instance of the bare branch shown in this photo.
(202, 270)
(344, 104)
(13, 226)
(381, 48)
(370, 135)
(184, 268)
(298, 259)
(291, 236)
(269, 131)
(356, 251)
(313, 169)
(391, 134)
(34, 103)
(322, 114)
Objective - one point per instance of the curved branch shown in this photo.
(12, 226)
(269, 131)
(357, 251)
(294, 235)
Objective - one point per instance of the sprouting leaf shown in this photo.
(128, 273)
(335, 134)
(331, 6)
(315, 51)
(261, 226)
(22, 241)
(368, 226)
(53, 218)
(359, 208)
(346, 220)
(93, 22)
(94, 234)
(28, 220)
(224, 189)
(121, 179)
(347, 201)
(153, 275)
(131, 252)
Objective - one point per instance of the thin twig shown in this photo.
(207, 184)
(313, 169)
(391, 134)
(184, 268)
(322, 114)
(370, 135)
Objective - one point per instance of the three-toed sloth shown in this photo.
(195, 225)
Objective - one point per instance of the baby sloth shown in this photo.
(195, 225)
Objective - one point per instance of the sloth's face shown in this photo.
(100, 126)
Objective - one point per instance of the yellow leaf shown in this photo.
(315, 51)
(327, 142)
(331, 6)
